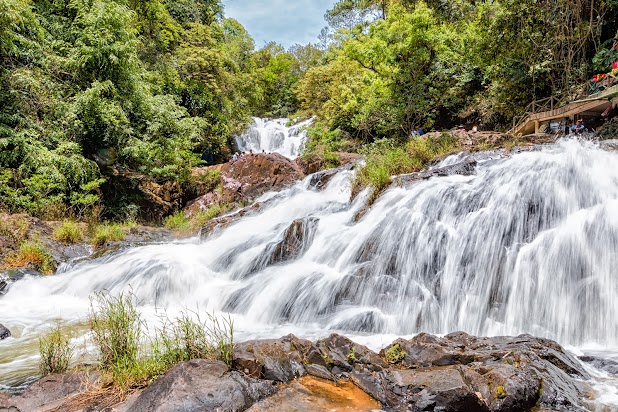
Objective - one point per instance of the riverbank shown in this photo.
(458, 372)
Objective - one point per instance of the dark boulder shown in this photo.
(296, 239)
(201, 385)
(4, 332)
(280, 360)
(506, 373)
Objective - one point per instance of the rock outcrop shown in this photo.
(454, 373)
(247, 178)
(200, 385)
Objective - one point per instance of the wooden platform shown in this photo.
(591, 106)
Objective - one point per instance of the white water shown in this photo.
(274, 136)
(526, 245)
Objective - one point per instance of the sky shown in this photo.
(285, 21)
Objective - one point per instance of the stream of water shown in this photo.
(528, 244)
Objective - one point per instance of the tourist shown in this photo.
(578, 127)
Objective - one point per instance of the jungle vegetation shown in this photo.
(95, 89)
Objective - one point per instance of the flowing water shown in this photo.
(528, 244)
(274, 136)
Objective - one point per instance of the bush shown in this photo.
(33, 254)
(107, 232)
(56, 351)
(69, 232)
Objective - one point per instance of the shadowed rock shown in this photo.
(201, 385)
(4, 332)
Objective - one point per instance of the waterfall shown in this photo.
(527, 244)
(274, 136)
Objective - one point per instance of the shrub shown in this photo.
(33, 254)
(107, 232)
(177, 221)
(395, 354)
(56, 351)
(69, 232)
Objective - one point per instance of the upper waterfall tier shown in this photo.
(274, 136)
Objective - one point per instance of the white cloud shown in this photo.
(286, 22)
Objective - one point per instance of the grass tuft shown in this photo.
(56, 351)
(69, 232)
(107, 232)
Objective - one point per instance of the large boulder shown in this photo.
(201, 385)
(247, 178)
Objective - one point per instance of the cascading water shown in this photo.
(525, 245)
(274, 136)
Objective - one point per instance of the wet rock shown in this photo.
(465, 168)
(442, 388)
(308, 394)
(280, 360)
(315, 163)
(296, 239)
(319, 371)
(4, 332)
(4, 284)
(201, 385)
(607, 365)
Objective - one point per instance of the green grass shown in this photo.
(128, 363)
(69, 232)
(182, 224)
(107, 232)
(189, 337)
(34, 254)
(56, 351)
(386, 158)
(177, 221)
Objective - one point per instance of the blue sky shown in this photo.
(285, 21)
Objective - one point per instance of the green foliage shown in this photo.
(56, 352)
(500, 392)
(177, 221)
(107, 232)
(386, 158)
(69, 232)
(395, 354)
(352, 356)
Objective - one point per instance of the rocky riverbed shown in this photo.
(457, 372)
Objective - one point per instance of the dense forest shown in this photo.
(91, 90)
